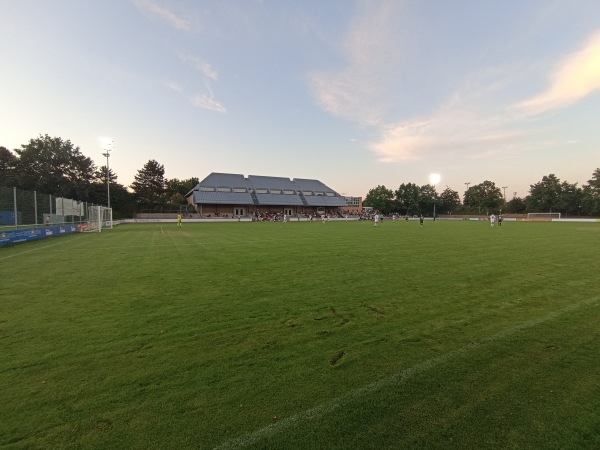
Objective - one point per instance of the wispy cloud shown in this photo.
(358, 90)
(173, 86)
(478, 118)
(163, 13)
(199, 64)
(474, 124)
(576, 77)
(207, 102)
(209, 75)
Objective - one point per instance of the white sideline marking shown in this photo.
(397, 378)
(35, 249)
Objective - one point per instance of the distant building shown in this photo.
(354, 204)
(231, 195)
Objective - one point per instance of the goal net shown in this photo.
(99, 217)
(543, 216)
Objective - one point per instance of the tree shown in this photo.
(427, 199)
(407, 198)
(175, 189)
(380, 198)
(7, 164)
(149, 185)
(485, 196)
(100, 176)
(544, 196)
(449, 200)
(570, 200)
(594, 183)
(590, 198)
(54, 166)
(516, 206)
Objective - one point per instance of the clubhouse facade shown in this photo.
(234, 195)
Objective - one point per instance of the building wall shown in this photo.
(249, 210)
(354, 204)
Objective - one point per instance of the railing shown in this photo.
(26, 209)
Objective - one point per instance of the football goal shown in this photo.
(543, 216)
(99, 217)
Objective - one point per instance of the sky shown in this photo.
(354, 93)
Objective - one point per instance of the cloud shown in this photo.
(373, 53)
(385, 83)
(173, 86)
(576, 77)
(163, 13)
(209, 74)
(199, 64)
(383, 80)
(207, 102)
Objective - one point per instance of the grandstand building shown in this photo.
(354, 204)
(233, 195)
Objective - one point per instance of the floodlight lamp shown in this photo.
(434, 178)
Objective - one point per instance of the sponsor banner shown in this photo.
(30, 234)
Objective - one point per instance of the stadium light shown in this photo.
(434, 179)
(107, 155)
(467, 183)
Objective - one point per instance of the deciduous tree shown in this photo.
(544, 196)
(380, 198)
(427, 199)
(176, 189)
(485, 196)
(7, 164)
(407, 198)
(449, 200)
(54, 166)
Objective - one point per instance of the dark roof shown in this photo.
(228, 188)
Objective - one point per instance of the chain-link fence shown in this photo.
(22, 209)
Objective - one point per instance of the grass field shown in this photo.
(303, 336)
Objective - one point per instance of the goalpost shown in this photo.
(98, 217)
(543, 216)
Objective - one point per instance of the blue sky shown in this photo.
(353, 93)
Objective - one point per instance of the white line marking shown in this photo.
(36, 249)
(397, 378)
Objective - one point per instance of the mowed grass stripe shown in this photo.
(187, 338)
(317, 413)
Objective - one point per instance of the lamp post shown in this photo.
(467, 184)
(107, 155)
(434, 179)
(504, 188)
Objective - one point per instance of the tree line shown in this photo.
(51, 165)
(54, 166)
(547, 195)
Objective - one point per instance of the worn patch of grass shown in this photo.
(303, 335)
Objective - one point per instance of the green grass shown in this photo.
(303, 335)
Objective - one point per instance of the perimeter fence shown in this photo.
(25, 209)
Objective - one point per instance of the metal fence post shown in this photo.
(35, 206)
(15, 208)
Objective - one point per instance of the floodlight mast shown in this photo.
(107, 155)
(467, 183)
(434, 179)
